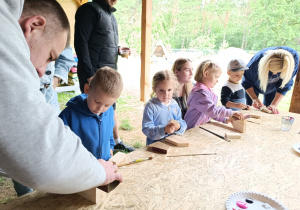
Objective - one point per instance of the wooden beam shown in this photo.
(94, 195)
(146, 48)
(295, 105)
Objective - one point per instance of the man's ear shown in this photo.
(228, 72)
(33, 25)
(86, 88)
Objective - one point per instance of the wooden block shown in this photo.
(175, 122)
(93, 195)
(109, 187)
(239, 125)
(118, 158)
(178, 141)
(160, 147)
(266, 110)
(233, 135)
(257, 116)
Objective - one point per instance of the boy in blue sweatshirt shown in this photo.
(91, 116)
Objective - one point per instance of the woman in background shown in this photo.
(183, 69)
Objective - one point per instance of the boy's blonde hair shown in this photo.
(206, 65)
(278, 60)
(109, 80)
(162, 76)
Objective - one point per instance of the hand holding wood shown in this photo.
(111, 172)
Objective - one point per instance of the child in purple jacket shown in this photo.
(202, 101)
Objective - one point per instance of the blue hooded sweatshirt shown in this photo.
(96, 132)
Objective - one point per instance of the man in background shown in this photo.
(96, 45)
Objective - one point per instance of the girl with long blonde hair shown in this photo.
(270, 73)
(183, 69)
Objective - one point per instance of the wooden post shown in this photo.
(146, 48)
(295, 105)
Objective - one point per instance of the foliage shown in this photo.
(246, 24)
(63, 98)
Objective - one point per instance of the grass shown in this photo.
(125, 125)
(63, 98)
(137, 145)
(123, 103)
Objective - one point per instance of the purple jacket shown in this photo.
(202, 103)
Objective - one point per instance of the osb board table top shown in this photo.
(262, 160)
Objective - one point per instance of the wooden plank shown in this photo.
(109, 187)
(239, 125)
(160, 147)
(118, 158)
(94, 195)
(233, 135)
(257, 116)
(146, 48)
(178, 141)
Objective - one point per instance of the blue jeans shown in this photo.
(21, 189)
(268, 98)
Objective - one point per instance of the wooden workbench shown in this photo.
(262, 160)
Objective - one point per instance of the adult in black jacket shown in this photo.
(96, 44)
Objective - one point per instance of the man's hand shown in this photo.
(56, 82)
(111, 172)
(124, 48)
(170, 128)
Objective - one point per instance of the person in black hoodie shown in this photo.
(96, 43)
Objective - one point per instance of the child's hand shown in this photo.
(241, 106)
(238, 115)
(170, 128)
(177, 127)
(257, 103)
(111, 152)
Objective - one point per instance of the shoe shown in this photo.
(122, 146)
